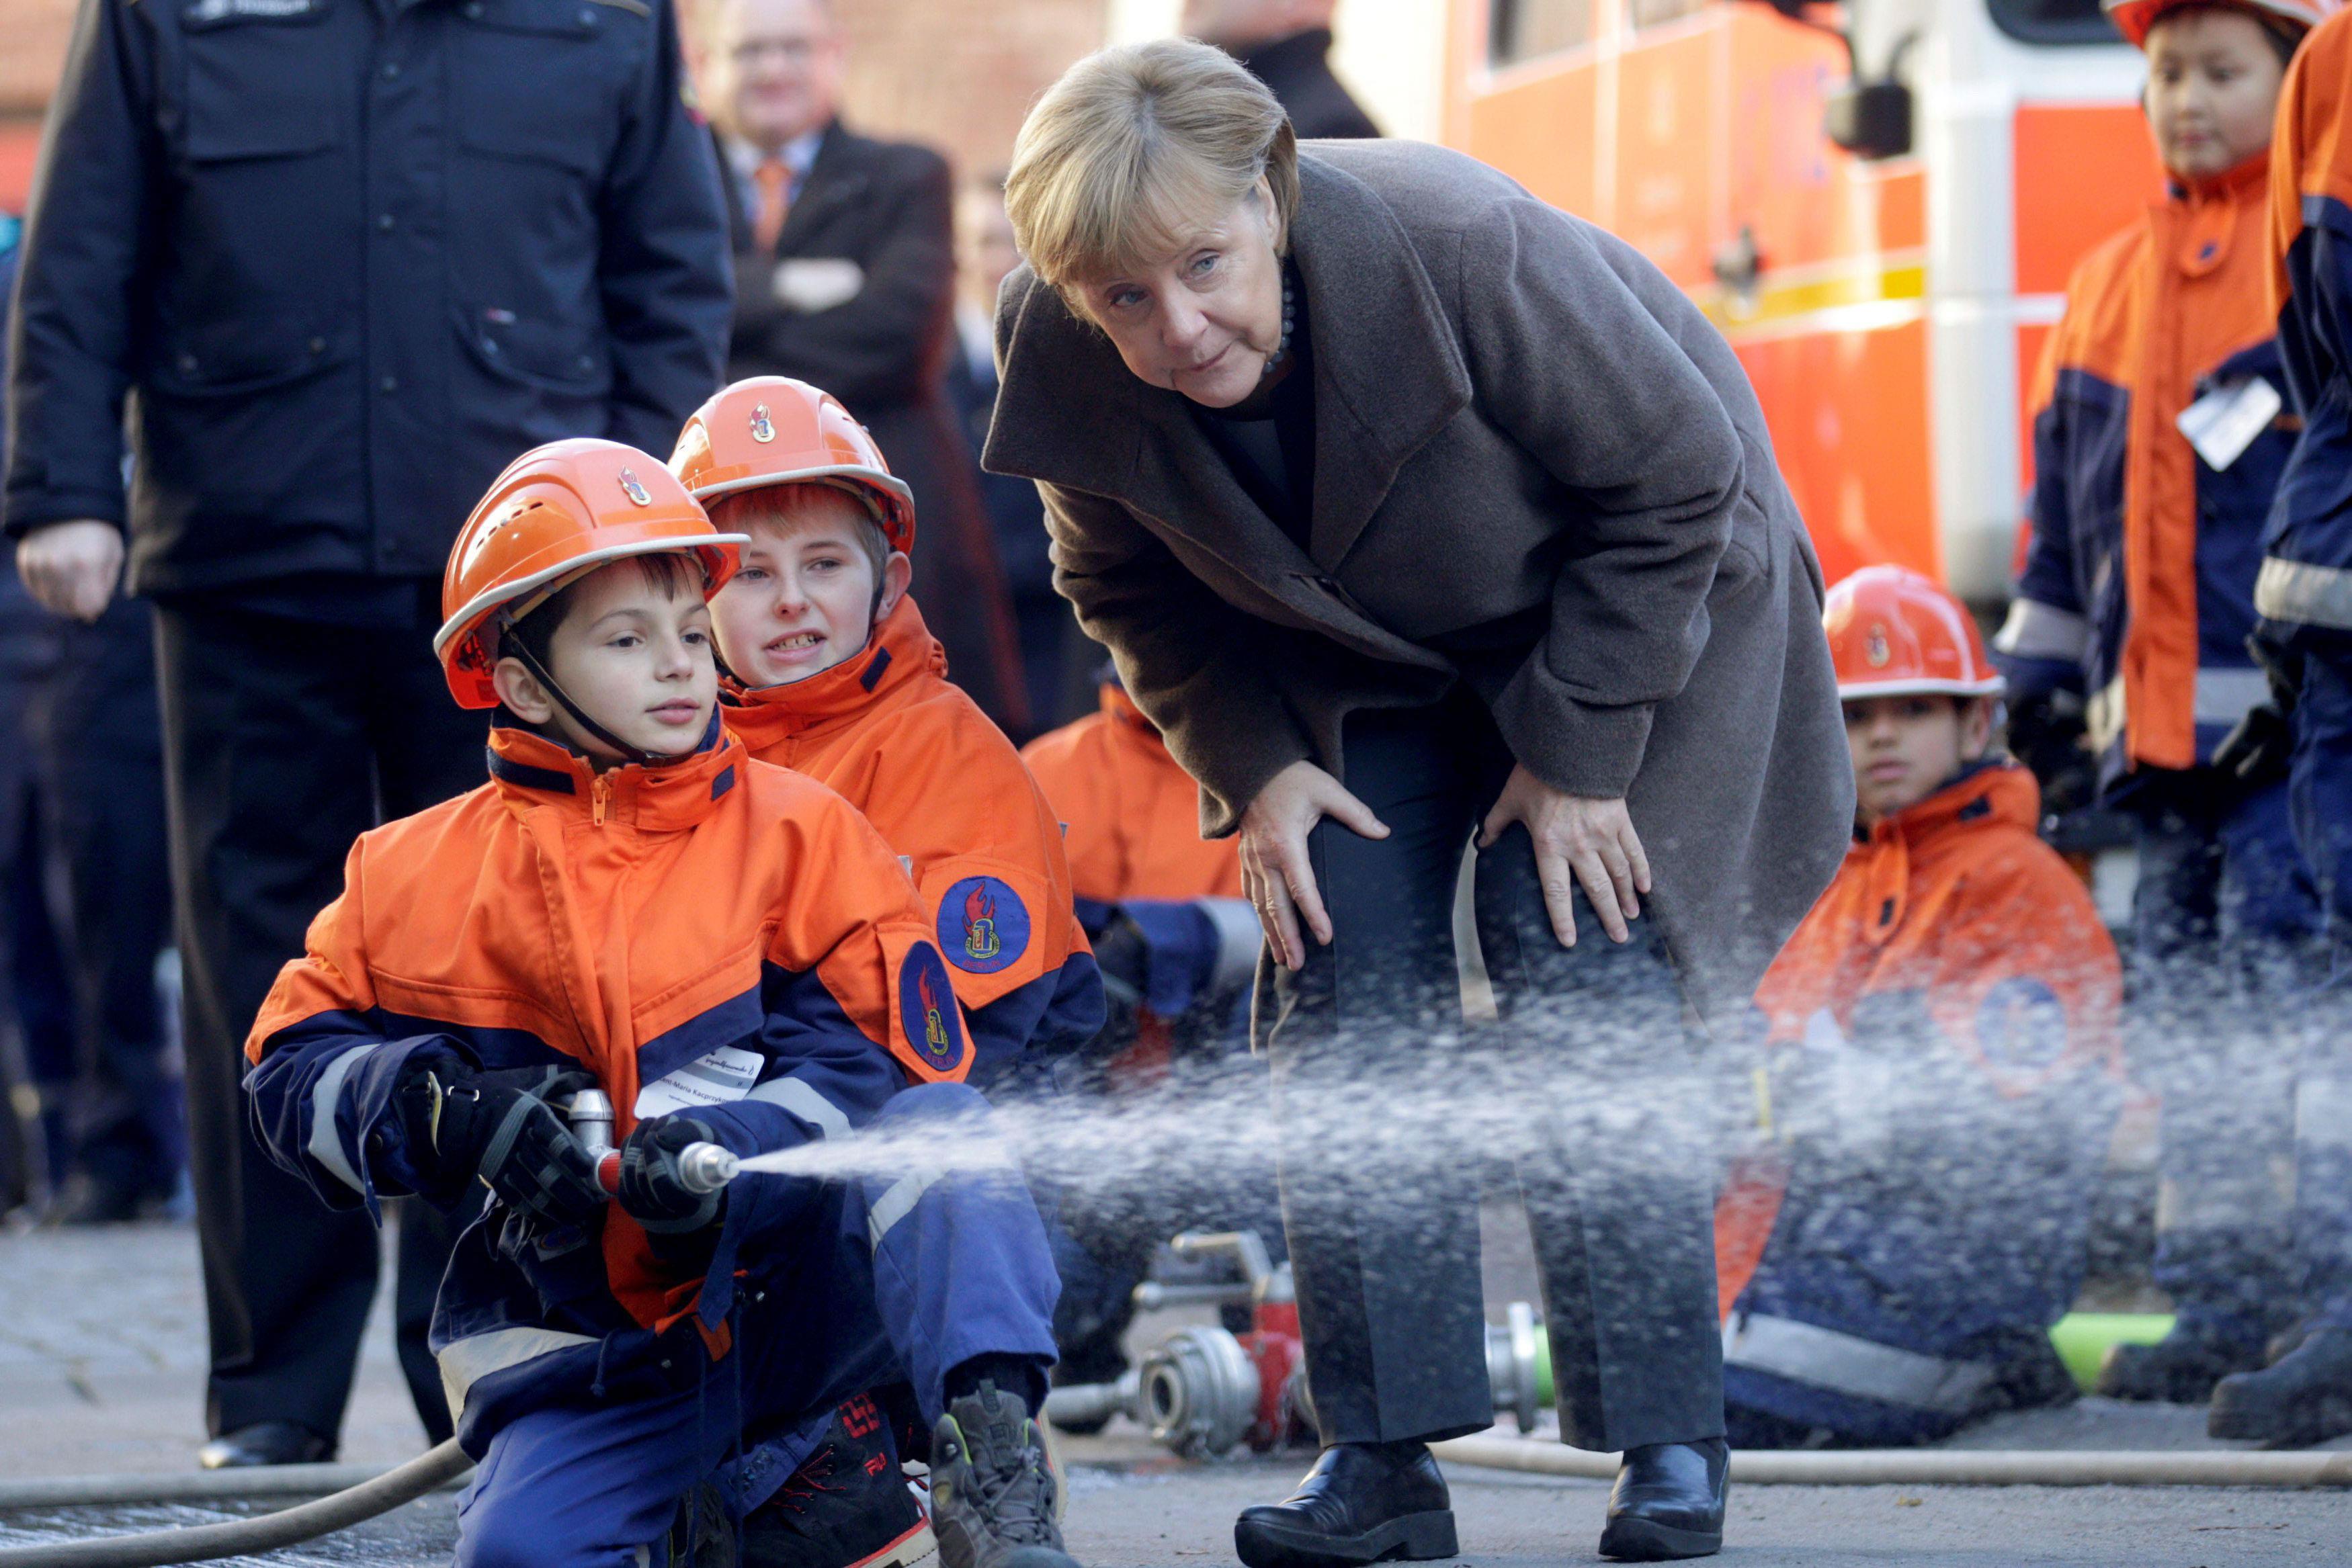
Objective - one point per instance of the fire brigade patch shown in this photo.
(2022, 1026)
(983, 927)
(927, 1009)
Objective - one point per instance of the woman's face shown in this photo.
(1205, 319)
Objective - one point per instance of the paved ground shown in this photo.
(101, 1370)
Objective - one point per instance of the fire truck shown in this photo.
(1878, 203)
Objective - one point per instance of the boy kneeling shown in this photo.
(1942, 1019)
(728, 952)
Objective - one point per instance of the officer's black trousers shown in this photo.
(283, 741)
(1394, 1112)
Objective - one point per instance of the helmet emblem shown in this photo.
(636, 491)
(1875, 647)
(763, 428)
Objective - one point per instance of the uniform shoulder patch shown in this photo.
(983, 927)
(927, 1009)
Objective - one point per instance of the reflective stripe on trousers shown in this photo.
(1848, 1363)
(468, 1361)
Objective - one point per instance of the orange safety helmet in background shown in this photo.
(773, 429)
(1894, 633)
(2133, 19)
(559, 511)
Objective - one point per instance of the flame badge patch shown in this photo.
(983, 927)
(927, 1009)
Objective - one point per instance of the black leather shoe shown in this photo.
(266, 1443)
(1362, 1502)
(1668, 1502)
(2306, 1398)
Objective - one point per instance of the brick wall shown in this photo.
(959, 74)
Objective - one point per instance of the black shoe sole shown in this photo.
(1411, 1538)
(1631, 1539)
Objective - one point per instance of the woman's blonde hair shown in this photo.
(1134, 149)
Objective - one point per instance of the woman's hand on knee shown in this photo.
(1577, 839)
(1276, 876)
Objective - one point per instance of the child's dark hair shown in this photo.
(667, 571)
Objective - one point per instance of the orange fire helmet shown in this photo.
(1894, 633)
(558, 511)
(773, 429)
(2133, 19)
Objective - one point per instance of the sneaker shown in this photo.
(994, 1488)
(2305, 1398)
(847, 1506)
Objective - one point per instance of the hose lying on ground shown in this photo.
(381, 1493)
(1940, 1467)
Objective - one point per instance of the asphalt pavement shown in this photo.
(101, 1357)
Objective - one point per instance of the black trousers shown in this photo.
(94, 732)
(1394, 1111)
(283, 741)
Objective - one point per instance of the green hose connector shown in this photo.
(2084, 1339)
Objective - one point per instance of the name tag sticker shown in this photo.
(2223, 423)
(721, 1078)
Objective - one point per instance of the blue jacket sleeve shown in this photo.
(667, 276)
(321, 1100)
(2040, 647)
(87, 246)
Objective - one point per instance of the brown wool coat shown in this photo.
(1538, 469)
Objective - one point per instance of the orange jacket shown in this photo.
(1955, 915)
(1131, 815)
(2304, 592)
(945, 788)
(714, 920)
(2139, 578)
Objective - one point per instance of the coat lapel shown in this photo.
(1388, 371)
(833, 179)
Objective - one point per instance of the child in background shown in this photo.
(2157, 446)
(730, 953)
(1939, 1030)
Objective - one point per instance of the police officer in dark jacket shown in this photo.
(1286, 44)
(342, 261)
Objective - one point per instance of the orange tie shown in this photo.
(774, 184)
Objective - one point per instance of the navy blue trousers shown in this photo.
(895, 1277)
(2225, 938)
(2320, 785)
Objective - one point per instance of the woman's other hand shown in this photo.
(1592, 839)
(1275, 875)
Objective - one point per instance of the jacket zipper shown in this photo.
(600, 793)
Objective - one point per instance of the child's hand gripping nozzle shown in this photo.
(669, 1177)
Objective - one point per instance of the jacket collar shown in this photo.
(2202, 216)
(1996, 790)
(1388, 375)
(1309, 50)
(900, 649)
(530, 771)
(832, 178)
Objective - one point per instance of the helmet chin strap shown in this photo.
(513, 647)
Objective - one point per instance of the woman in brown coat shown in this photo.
(1368, 466)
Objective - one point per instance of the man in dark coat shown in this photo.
(343, 263)
(844, 261)
(1286, 44)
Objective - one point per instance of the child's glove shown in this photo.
(499, 1127)
(652, 1191)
